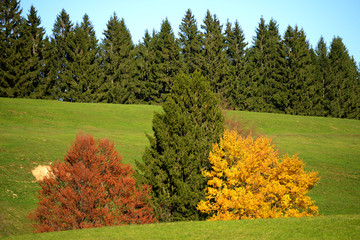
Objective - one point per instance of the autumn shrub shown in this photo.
(90, 188)
(249, 180)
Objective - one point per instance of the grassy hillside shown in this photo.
(329, 146)
(37, 132)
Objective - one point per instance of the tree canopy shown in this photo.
(275, 73)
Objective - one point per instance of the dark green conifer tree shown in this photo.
(118, 63)
(158, 62)
(344, 85)
(322, 79)
(86, 65)
(48, 89)
(190, 43)
(11, 47)
(62, 57)
(266, 70)
(300, 73)
(236, 50)
(255, 67)
(214, 61)
(167, 60)
(31, 80)
(183, 135)
(146, 90)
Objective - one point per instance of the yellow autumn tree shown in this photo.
(249, 180)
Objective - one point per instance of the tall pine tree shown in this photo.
(190, 43)
(300, 72)
(266, 70)
(236, 50)
(183, 135)
(344, 95)
(322, 79)
(158, 62)
(63, 57)
(11, 47)
(167, 60)
(31, 80)
(48, 88)
(146, 90)
(214, 60)
(86, 65)
(118, 63)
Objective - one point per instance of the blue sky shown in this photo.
(327, 18)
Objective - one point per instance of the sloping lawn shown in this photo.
(35, 132)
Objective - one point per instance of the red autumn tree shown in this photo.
(91, 188)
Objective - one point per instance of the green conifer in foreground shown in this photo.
(183, 136)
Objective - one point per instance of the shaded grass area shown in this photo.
(37, 132)
(326, 227)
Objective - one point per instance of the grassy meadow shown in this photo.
(38, 132)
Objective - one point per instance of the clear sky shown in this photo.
(327, 18)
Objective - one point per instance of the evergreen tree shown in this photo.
(344, 95)
(167, 60)
(63, 57)
(236, 50)
(322, 79)
(300, 69)
(31, 80)
(214, 61)
(118, 63)
(266, 70)
(255, 68)
(158, 62)
(11, 47)
(48, 88)
(146, 90)
(86, 65)
(183, 134)
(190, 43)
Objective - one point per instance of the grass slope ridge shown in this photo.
(35, 132)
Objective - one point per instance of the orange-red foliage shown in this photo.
(249, 180)
(91, 188)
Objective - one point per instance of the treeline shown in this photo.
(277, 73)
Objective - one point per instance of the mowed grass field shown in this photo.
(35, 132)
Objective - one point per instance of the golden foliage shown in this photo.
(249, 180)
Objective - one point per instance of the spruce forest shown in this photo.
(278, 73)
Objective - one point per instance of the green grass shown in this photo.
(329, 146)
(37, 132)
(328, 227)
